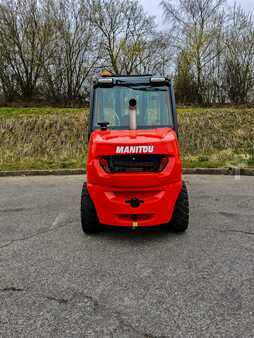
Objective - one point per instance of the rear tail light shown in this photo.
(105, 164)
(163, 163)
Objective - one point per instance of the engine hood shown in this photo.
(149, 141)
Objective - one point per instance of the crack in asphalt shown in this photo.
(98, 307)
(51, 298)
(37, 234)
(12, 289)
(13, 210)
(58, 300)
(233, 214)
(238, 231)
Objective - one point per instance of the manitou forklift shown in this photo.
(134, 170)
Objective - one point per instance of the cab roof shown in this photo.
(132, 79)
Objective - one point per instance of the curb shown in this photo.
(219, 171)
(186, 171)
(53, 172)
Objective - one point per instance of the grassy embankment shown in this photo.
(41, 138)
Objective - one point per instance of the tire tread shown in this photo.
(180, 219)
(89, 220)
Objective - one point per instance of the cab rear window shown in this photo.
(153, 106)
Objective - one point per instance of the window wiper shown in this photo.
(148, 89)
(123, 83)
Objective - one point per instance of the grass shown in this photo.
(193, 109)
(51, 138)
(41, 165)
(217, 137)
(8, 112)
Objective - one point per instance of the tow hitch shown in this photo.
(134, 202)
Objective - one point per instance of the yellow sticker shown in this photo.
(134, 225)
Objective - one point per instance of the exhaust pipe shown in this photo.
(133, 114)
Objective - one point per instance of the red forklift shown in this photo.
(134, 170)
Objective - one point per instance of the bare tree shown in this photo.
(125, 31)
(198, 24)
(49, 49)
(76, 50)
(185, 85)
(25, 34)
(239, 56)
(157, 55)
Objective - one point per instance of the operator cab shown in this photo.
(148, 99)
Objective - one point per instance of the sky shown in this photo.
(152, 7)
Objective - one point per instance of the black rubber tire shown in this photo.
(180, 219)
(89, 220)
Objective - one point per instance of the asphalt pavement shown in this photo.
(57, 282)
